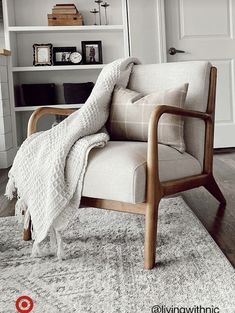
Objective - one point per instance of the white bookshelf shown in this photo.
(25, 23)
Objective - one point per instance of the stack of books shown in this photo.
(65, 15)
(64, 9)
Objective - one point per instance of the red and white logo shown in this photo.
(24, 304)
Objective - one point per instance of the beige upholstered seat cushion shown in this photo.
(118, 171)
(130, 114)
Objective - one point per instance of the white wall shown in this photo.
(144, 30)
(7, 151)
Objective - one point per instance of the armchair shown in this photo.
(144, 173)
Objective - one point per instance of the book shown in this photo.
(64, 7)
(65, 16)
(64, 11)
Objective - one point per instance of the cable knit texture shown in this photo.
(49, 167)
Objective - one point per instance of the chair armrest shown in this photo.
(38, 113)
(152, 154)
(161, 109)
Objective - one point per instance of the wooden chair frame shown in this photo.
(156, 190)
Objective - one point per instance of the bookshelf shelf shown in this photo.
(56, 68)
(60, 106)
(51, 29)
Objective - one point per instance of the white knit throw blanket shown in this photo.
(48, 170)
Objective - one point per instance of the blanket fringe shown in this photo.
(53, 240)
(32, 232)
(60, 248)
(36, 251)
(10, 189)
(56, 246)
(39, 251)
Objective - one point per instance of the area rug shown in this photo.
(103, 271)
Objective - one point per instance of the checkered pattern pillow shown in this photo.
(130, 113)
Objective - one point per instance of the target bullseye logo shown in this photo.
(24, 304)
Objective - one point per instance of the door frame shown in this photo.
(161, 33)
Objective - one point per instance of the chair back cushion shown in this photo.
(151, 77)
(130, 114)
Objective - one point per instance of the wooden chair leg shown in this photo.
(151, 218)
(214, 189)
(27, 233)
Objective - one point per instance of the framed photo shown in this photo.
(92, 52)
(61, 55)
(42, 54)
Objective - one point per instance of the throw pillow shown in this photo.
(130, 113)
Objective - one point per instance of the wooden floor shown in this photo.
(219, 222)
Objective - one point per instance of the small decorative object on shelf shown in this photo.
(65, 15)
(94, 11)
(42, 54)
(92, 52)
(76, 57)
(66, 56)
(105, 5)
(99, 2)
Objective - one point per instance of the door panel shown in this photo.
(204, 30)
(204, 18)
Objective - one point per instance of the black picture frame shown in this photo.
(42, 54)
(92, 52)
(61, 55)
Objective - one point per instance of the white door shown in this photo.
(205, 30)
